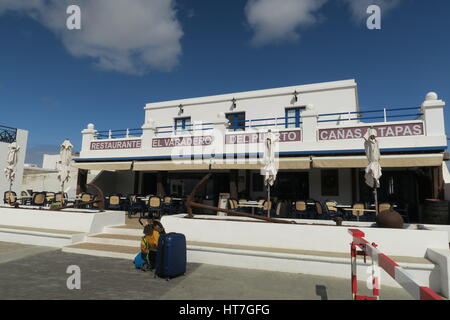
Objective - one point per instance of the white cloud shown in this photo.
(131, 36)
(358, 8)
(279, 20)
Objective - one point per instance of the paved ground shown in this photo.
(28, 272)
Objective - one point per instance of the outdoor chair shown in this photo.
(282, 209)
(300, 210)
(384, 206)
(154, 207)
(233, 205)
(114, 202)
(167, 205)
(266, 207)
(332, 210)
(96, 205)
(9, 197)
(321, 212)
(49, 197)
(38, 199)
(358, 214)
(25, 198)
(86, 197)
(136, 205)
(61, 198)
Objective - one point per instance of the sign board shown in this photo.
(388, 130)
(116, 144)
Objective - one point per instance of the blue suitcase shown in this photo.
(171, 255)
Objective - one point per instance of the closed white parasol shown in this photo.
(65, 153)
(11, 160)
(373, 170)
(270, 169)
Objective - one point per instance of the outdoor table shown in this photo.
(250, 204)
(365, 210)
(343, 206)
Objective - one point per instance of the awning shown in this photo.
(227, 164)
(387, 161)
(169, 165)
(125, 165)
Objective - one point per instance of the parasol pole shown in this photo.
(268, 200)
(375, 195)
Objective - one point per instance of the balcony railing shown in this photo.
(8, 134)
(117, 134)
(379, 115)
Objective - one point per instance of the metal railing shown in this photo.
(8, 134)
(276, 122)
(379, 115)
(117, 134)
(187, 128)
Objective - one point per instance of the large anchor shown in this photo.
(191, 204)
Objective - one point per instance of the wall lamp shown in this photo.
(295, 96)
(233, 105)
(181, 109)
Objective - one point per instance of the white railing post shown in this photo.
(88, 136)
(148, 133)
(109, 134)
(309, 124)
(128, 133)
(385, 114)
(433, 115)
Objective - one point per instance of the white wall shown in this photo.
(328, 97)
(412, 243)
(51, 161)
(22, 138)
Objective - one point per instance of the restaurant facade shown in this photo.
(319, 145)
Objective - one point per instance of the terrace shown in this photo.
(8, 134)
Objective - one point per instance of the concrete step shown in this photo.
(103, 250)
(40, 236)
(126, 246)
(115, 239)
(124, 230)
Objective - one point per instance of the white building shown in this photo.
(7, 136)
(320, 146)
(45, 178)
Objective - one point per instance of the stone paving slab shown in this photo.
(43, 276)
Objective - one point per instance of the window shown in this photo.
(182, 124)
(236, 121)
(292, 117)
(330, 182)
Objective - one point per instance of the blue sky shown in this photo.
(53, 82)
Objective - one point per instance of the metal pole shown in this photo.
(376, 200)
(268, 200)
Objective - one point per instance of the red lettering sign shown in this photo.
(388, 130)
(182, 142)
(116, 144)
(256, 137)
